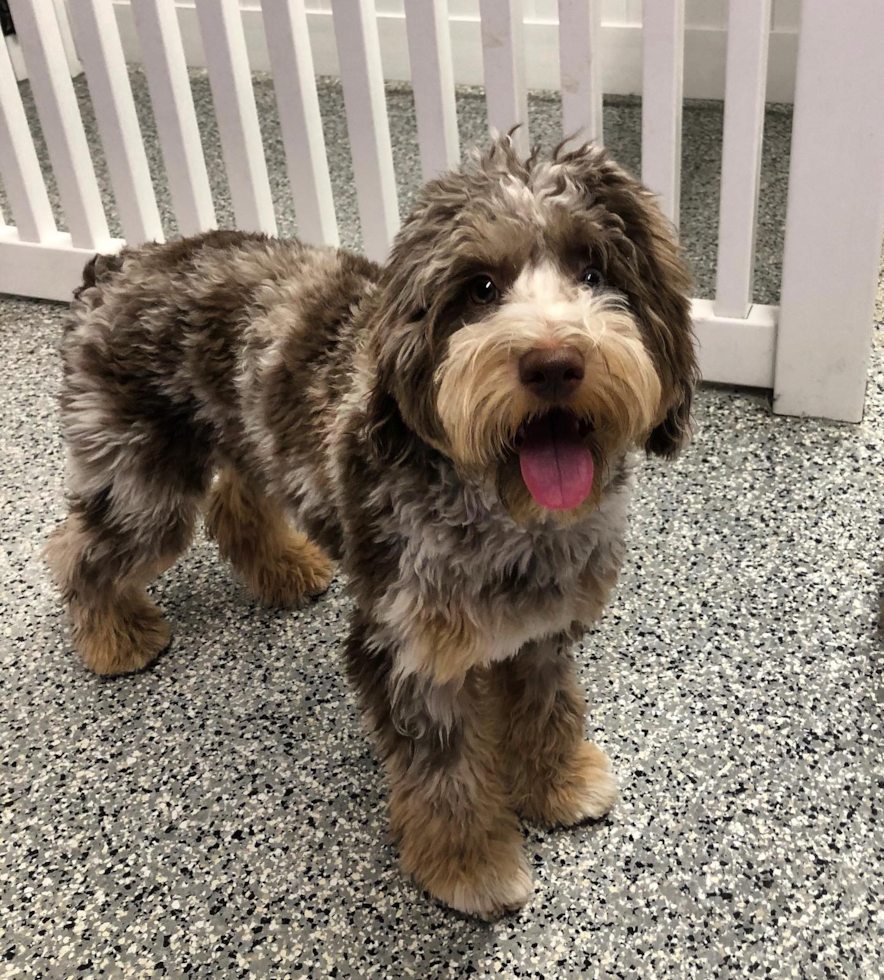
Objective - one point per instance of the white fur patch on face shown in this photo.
(544, 286)
(481, 401)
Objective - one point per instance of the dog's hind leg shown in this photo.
(281, 566)
(102, 557)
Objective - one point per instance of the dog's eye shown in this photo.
(592, 277)
(482, 290)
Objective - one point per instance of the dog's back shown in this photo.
(226, 351)
(165, 341)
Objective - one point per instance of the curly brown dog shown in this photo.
(457, 429)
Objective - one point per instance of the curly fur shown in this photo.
(377, 407)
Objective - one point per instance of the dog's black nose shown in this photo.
(552, 373)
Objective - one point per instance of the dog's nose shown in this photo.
(552, 373)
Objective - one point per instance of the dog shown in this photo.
(458, 429)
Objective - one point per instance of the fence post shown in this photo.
(835, 212)
(294, 82)
(580, 57)
(662, 87)
(432, 78)
(162, 49)
(503, 56)
(365, 103)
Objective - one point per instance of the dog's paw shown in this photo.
(298, 573)
(479, 870)
(121, 637)
(491, 895)
(585, 789)
(489, 889)
(318, 577)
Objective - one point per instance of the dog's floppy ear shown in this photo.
(401, 410)
(662, 303)
(654, 277)
(389, 437)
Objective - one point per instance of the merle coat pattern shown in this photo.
(381, 409)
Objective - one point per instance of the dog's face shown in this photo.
(535, 322)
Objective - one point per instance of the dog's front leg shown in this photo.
(554, 774)
(449, 807)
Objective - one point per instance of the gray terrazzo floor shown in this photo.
(222, 814)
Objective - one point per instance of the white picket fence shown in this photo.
(812, 350)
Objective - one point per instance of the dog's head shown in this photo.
(535, 321)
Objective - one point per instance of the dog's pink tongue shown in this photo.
(556, 465)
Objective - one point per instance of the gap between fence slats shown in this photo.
(163, 53)
(19, 165)
(294, 82)
(53, 91)
(101, 53)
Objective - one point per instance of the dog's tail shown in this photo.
(97, 270)
(88, 295)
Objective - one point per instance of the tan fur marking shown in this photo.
(120, 635)
(458, 836)
(63, 551)
(115, 632)
(594, 595)
(282, 567)
(445, 649)
(554, 776)
(581, 787)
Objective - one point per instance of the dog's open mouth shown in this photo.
(556, 462)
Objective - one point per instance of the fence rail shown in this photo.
(812, 349)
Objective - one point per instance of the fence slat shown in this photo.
(163, 53)
(67, 38)
(503, 54)
(46, 61)
(101, 52)
(356, 33)
(747, 42)
(580, 29)
(19, 165)
(662, 86)
(432, 78)
(227, 60)
(294, 81)
(835, 212)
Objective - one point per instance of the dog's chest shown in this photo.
(473, 586)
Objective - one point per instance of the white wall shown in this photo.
(698, 13)
(705, 43)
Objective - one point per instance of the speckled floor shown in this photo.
(222, 814)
